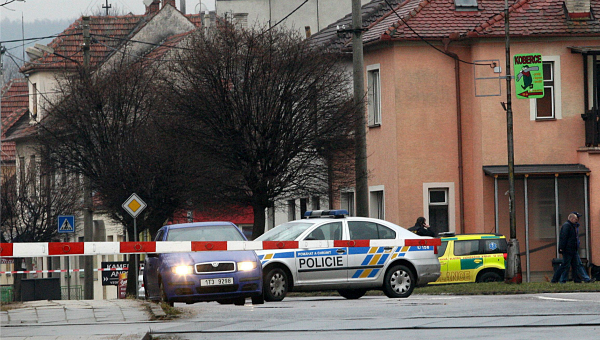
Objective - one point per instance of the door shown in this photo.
(367, 263)
(323, 265)
(467, 259)
(151, 265)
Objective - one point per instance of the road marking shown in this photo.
(557, 299)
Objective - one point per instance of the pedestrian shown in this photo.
(568, 246)
(421, 228)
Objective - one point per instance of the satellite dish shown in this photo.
(148, 2)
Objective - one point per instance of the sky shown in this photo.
(33, 10)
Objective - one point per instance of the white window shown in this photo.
(548, 107)
(347, 202)
(439, 206)
(374, 95)
(376, 202)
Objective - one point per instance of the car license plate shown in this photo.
(217, 282)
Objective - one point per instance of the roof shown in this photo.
(438, 19)
(110, 32)
(472, 237)
(15, 103)
(537, 169)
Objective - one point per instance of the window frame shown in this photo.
(556, 92)
(374, 92)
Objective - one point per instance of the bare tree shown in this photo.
(272, 112)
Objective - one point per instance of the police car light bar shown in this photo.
(326, 213)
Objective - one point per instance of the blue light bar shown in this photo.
(326, 213)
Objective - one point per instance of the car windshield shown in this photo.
(285, 232)
(205, 233)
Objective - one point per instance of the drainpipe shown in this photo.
(458, 132)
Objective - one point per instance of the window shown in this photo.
(329, 231)
(374, 95)
(463, 248)
(438, 209)
(315, 203)
(442, 249)
(545, 106)
(495, 246)
(291, 206)
(364, 230)
(240, 20)
(347, 203)
(34, 106)
(465, 5)
(377, 206)
(548, 107)
(303, 206)
(33, 174)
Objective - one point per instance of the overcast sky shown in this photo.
(33, 10)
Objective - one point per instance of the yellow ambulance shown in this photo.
(472, 258)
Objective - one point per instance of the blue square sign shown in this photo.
(66, 224)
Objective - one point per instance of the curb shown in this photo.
(155, 309)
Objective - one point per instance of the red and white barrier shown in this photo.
(43, 249)
(61, 271)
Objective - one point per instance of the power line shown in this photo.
(280, 21)
(39, 38)
(430, 44)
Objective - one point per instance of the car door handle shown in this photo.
(340, 251)
(478, 261)
(388, 248)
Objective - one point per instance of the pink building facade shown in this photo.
(437, 135)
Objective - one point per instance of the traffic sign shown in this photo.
(66, 224)
(134, 205)
(529, 76)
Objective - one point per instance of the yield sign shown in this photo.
(134, 205)
(66, 224)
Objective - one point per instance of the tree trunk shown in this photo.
(259, 220)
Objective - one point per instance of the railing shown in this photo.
(76, 292)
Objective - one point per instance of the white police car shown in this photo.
(347, 254)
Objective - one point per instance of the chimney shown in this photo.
(152, 6)
(168, 2)
(578, 9)
(182, 6)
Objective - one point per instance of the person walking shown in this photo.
(568, 246)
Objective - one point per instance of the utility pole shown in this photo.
(513, 268)
(360, 150)
(88, 214)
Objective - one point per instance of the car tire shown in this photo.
(239, 301)
(258, 300)
(489, 277)
(352, 294)
(399, 282)
(276, 283)
(163, 295)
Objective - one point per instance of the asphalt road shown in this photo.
(532, 316)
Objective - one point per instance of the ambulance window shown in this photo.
(442, 248)
(462, 248)
(494, 246)
(329, 231)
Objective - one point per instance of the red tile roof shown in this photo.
(15, 102)
(438, 19)
(110, 31)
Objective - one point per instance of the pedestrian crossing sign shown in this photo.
(66, 224)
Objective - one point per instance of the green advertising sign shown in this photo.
(529, 76)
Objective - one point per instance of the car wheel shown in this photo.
(399, 282)
(489, 277)
(258, 300)
(276, 285)
(163, 295)
(239, 301)
(352, 294)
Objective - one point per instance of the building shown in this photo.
(306, 16)
(437, 130)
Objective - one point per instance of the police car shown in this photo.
(472, 258)
(349, 254)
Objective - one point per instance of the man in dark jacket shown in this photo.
(568, 246)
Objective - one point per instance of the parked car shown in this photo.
(223, 276)
(472, 258)
(352, 271)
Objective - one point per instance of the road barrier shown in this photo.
(43, 249)
(60, 270)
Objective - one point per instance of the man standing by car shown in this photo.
(568, 246)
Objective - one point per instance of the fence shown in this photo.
(76, 292)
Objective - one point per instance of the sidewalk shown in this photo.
(122, 319)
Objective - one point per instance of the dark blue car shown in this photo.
(223, 276)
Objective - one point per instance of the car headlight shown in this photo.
(245, 266)
(183, 270)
